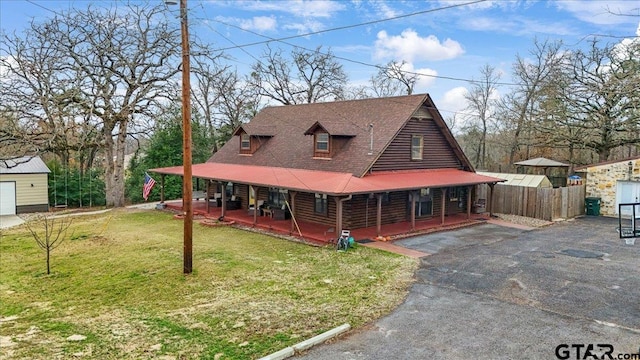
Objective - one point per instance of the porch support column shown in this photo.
(162, 188)
(413, 195)
(338, 215)
(254, 190)
(206, 195)
(379, 214)
(443, 203)
(223, 209)
(469, 188)
(339, 202)
(292, 208)
(490, 199)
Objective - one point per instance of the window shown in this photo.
(416, 147)
(245, 142)
(321, 204)
(277, 197)
(424, 203)
(322, 142)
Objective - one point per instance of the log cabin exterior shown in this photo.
(349, 164)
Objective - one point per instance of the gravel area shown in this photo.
(523, 220)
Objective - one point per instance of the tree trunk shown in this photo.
(48, 251)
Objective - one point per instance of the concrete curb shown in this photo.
(279, 355)
(307, 344)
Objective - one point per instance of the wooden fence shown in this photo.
(540, 203)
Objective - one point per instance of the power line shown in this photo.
(350, 26)
(379, 67)
(43, 7)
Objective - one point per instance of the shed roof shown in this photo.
(24, 165)
(528, 180)
(329, 182)
(541, 162)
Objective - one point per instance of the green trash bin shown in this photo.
(593, 205)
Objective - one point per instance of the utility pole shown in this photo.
(187, 181)
(187, 186)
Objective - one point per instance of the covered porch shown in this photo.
(322, 234)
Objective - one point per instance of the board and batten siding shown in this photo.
(30, 198)
(437, 152)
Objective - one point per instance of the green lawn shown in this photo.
(118, 281)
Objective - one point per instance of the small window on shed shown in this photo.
(416, 147)
(245, 142)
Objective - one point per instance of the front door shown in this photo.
(7, 198)
(628, 192)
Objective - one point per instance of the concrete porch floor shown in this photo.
(324, 234)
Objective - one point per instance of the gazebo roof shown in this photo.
(541, 162)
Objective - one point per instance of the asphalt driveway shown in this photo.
(491, 292)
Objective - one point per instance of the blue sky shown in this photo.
(451, 42)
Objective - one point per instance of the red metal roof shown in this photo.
(332, 183)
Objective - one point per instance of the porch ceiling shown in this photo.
(331, 183)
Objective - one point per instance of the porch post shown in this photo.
(469, 188)
(254, 190)
(206, 196)
(490, 199)
(223, 184)
(292, 205)
(338, 214)
(443, 210)
(162, 188)
(413, 194)
(379, 214)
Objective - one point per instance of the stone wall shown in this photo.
(602, 182)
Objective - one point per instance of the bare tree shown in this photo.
(391, 80)
(531, 74)
(603, 98)
(481, 103)
(308, 77)
(113, 64)
(55, 232)
(206, 94)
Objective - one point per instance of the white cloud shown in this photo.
(601, 12)
(259, 23)
(450, 106)
(305, 27)
(6, 62)
(299, 8)
(383, 10)
(409, 46)
(516, 25)
(423, 82)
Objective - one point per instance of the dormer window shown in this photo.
(322, 142)
(245, 142)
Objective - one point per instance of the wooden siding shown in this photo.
(361, 211)
(437, 153)
(26, 195)
(305, 210)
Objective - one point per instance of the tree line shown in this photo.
(88, 86)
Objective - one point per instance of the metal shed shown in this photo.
(528, 180)
(23, 186)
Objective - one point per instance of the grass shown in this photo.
(118, 281)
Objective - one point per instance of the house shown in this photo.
(614, 182)
(23, 186)
(345, 164)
